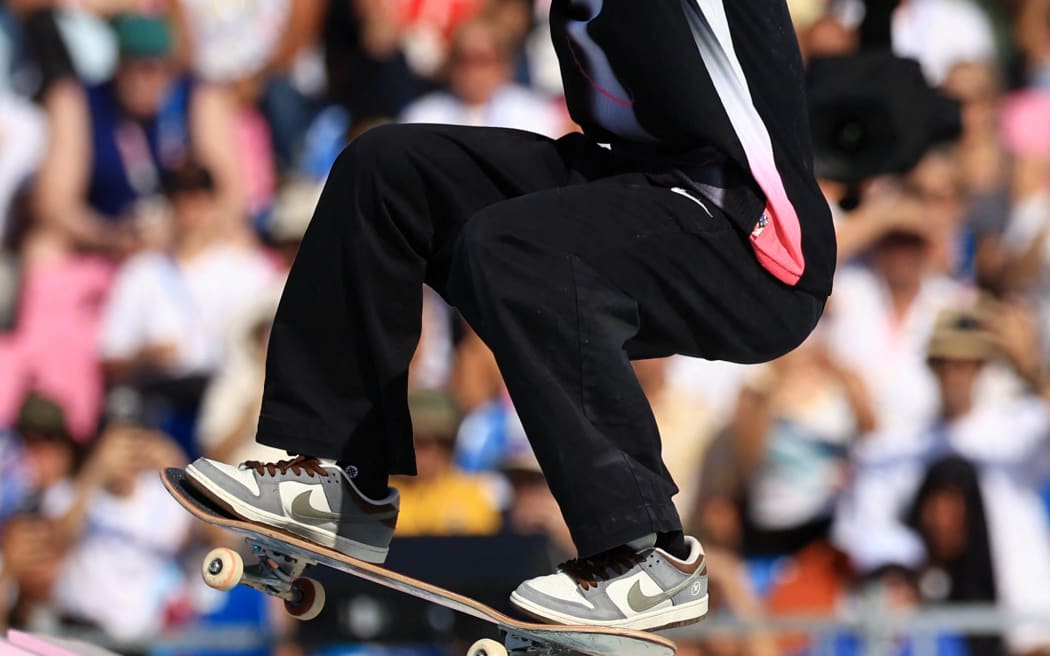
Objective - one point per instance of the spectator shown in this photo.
(893, 590)
(793, 426)
(828, 37)
(476, 379)
(942, 33)
(491, 427)
(440, 499)
(15, 477)
(168, 312)
(432, 362)
(53, 346)
(982, 159)
(716, 519)
(111, 145)
(1026, 238)
(889, 307)
(937, 183)
(733, 598)
(30, 561)
(291, 216)
(686, 423)
(50, 453)
(948, 514)
(420, 28)
(124, 532)
(983, 166)
(383, 55)
(1033, 39)
(23, 136)
(230, 407)
(268, 53)
(1006, 440)
(33, 468)
(165, 324)
(532, 509)
(481, 91)
(231, 402)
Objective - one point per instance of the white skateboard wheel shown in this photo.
(222, 568)
(311, 599)
(487, 647)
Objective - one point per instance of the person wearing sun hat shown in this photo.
(1004, 438)
(960, 334)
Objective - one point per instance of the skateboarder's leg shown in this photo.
(349, 318)
(566, 286)
(349, 321)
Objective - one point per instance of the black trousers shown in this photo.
(565, 261)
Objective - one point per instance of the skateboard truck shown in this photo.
(515, 645)
(304, 597)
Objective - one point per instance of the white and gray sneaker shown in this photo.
(630, 588)
(303, 496)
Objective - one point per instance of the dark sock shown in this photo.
(674, 544)
(371, 483)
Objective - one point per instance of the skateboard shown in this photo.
(282, 559)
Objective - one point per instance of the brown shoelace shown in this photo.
(298, 465)
(588, 572)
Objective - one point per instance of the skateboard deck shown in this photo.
(274, 546)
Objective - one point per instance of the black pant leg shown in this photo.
(567, 285)
(349, 318)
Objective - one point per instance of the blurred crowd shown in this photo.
(159, 163)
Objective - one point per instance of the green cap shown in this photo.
(40, 416)
(434, 414)
(142, 37)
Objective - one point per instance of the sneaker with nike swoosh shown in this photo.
(303, 496)
(645, 589)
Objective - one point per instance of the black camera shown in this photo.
(873, 114)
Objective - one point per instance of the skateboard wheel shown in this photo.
(310, 595)
(222, 568)
(487, 647)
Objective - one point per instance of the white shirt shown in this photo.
(23, 138)
(513, 106)
(123, 572)
(1009, 445)
(889, 356)
(233, 38)
(157, 300)
(801, 468)
(942, 33)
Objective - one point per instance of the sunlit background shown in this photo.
(885, 489)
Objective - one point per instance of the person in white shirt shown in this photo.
(942, 33)
(879, 320)
(168, 310)
(481, 91)
(123, 532)
(794, 422)
(1005, 440)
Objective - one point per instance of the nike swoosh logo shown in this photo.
(641, 602)
(302, 508)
